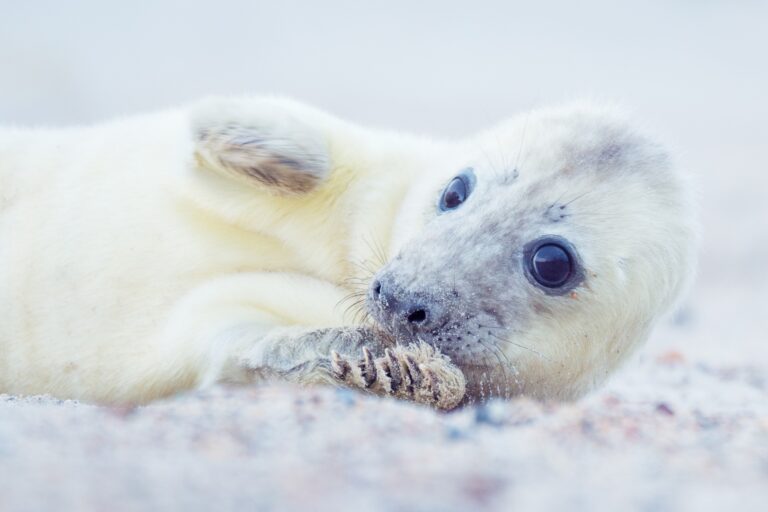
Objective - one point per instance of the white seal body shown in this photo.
(218, 243)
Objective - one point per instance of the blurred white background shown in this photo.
(695, 72)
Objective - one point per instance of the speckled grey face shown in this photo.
(465, 285)
(540, 278)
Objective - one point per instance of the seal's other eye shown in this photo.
(454, 194)
(551, 265)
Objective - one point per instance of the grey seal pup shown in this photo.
(240, 239)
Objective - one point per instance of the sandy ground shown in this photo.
(673, 431)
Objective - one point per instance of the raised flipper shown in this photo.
(260, 142)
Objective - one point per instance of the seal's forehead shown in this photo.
(570, 141)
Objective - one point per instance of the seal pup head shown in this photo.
(539, 273)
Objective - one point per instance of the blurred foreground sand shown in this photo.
(696, 439)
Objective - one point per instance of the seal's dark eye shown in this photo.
(454, 194)
(551, 265)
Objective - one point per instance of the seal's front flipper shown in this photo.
(262, 143)
(416, 372)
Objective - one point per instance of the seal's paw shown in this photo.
(416, 372)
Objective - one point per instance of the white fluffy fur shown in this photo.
(128, 271)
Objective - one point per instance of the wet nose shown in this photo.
(404, 308)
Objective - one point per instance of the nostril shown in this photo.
(376, 289)
(417, 317)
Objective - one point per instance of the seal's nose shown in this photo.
(417, 315)
(401, 308)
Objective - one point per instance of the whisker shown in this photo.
(358, 284)
(504, 156)
(578, 197)
(558, 200)
(514, 370)
(501, 365)
(505, 340)
(487, 156)
(522, 139)
(356, 307)
(377, 251)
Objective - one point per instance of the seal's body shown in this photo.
(222, 242)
